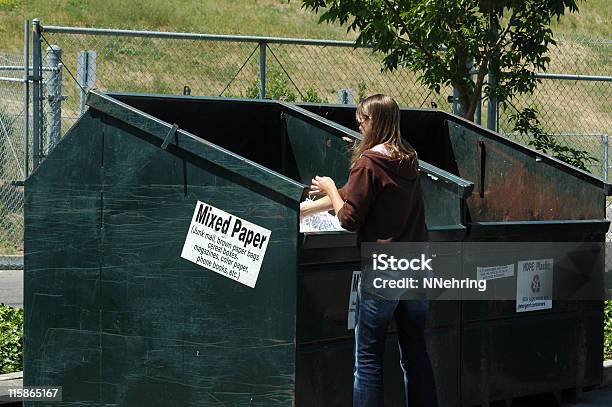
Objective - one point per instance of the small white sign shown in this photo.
(226, 244)
(352, 308)
(534, 285)
(494, 272)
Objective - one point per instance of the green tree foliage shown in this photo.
(11, 339)
(608, 330)
(448, 40)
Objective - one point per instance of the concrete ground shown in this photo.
(11, 287)
(7, 381)
(597, 398)
(600, 397)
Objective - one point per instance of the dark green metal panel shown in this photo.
(443, 207)
(506, 358)
(159, 332)
(220, 157)
(512, 185)
(184, 309)
(443, 191)
(317, 152)
(62, 269)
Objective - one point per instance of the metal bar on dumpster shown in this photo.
(483, 161)
(169, 136)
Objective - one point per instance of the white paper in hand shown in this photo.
(320, 222)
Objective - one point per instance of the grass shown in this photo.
(593, 20)
(246, 17)
(11, 232)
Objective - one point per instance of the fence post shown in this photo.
(605, 156)
(53, 111)
(86, 75)
(262, 70)
(492, 104)
(478, 117)
(345, 97)
(26, 98)
(456, 105)
(36, 94)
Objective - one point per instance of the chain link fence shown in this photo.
(12, 155)
(578, 111)
(210, 66)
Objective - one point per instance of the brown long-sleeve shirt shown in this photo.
(383, 200)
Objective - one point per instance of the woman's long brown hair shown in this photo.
(384, 114)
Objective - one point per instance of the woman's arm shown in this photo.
(327, 186)
(309, 207)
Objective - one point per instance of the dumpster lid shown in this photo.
(460, 186)
(554, 162)
(199, 147)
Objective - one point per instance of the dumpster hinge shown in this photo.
(169, 136)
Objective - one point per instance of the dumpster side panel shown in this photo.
(62, 265)
(174, 332)
(511, 185)
(506, 354)
(317, 152)
(426, 132)
(251, 129)
(325, 375)
(442, 207)
(325, 344)
(502, 360)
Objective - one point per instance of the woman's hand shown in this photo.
(327, 187)
(322, 186)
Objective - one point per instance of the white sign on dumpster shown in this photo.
(495, 272)
(534, 285)
(226, 244)
(352, 309)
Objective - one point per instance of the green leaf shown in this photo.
(11, 339)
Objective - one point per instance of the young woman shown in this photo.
(383, 201)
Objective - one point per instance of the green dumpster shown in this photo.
(519, 195)
(164, 263)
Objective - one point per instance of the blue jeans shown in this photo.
(373, 316)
